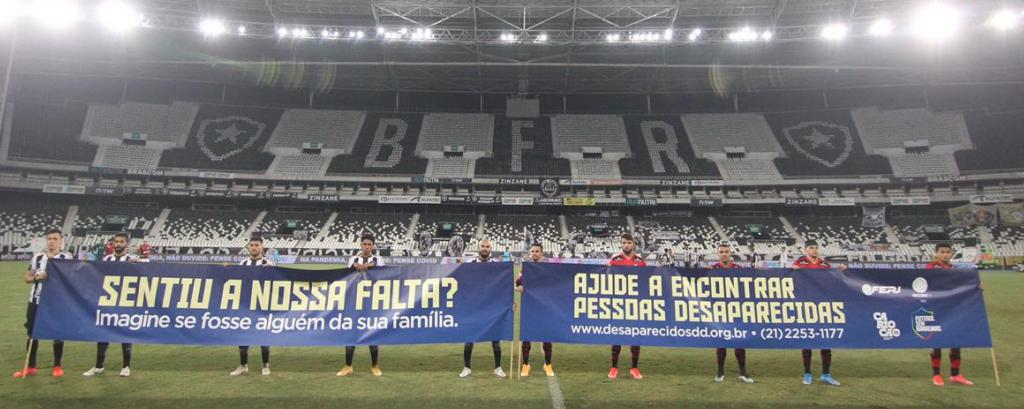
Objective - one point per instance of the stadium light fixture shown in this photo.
(9, 9)
(695, 34)
(935, 22)
(880, 28)
(241, 30)
(211, 27)
(56, 14)
(119, 17)
(1004, 20)
(613, 38)
(744, 34)
(541, 38)
(668, 34)
(299, 32)
(834, 32)
(282, 32)
(767, 35)
(325, 33)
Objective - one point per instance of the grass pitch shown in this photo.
(182, 377)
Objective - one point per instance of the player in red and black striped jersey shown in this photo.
(942, 260)
(536, 256)
(811, 260)
(630, 258)
(255, 258)
(725, 262)
(36, 275)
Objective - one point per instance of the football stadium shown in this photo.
(636, 203)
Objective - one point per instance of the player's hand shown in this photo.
(40, 276)
(842, 267)
(519, 289)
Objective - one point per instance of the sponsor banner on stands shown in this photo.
(801, 201)
(992, 198)
(910, 201)
(836, 201)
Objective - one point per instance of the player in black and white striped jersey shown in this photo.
(120, 255)
(484, 255)
(363, 261)
(36, 275)
(255, 258)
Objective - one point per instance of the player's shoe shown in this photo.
(549, 370)
(499, 373)
(26, 372)
(746, 378)
(961, 380)
(827, 379)
(720, 377)
(613, 373)
(265, 371)
(808, 378)
(466, 372)
(635, 373)
(375, 370)
(345, 371)
(93, 372)
(242, 369)
(126, 372)
(58, 372)
(525, 372)
(937, 380)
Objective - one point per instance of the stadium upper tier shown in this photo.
(311, 144)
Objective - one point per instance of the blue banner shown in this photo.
(154, 303)
(745, 308)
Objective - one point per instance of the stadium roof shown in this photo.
(557, 47)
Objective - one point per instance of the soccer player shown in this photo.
(36, 275)
(725, 262)
(110, 247)
(483, 256)
(120, 255)
(811, 260)
(536, 256)
(255, 259)
(628, 257)
(144, 249)
(364, 261)
(943, 255)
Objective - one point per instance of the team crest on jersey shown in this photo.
(826, 143)
(222, 138)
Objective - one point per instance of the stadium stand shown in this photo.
(386, 145)
(226, 138)
(713, 133)
(997, 142)
(738, 227)
(660, 147)
(450, 167)
(508, 231)
(571, 133)
(822, 143)
(333, 130)
(579, 226)
(747, 169)
(522, 147)
(837, 235)
(24, 221)
(126, 157)
(470, 132)
(893, 129)
(160, 123)
(591, 168)
(388, 228)
(204, 228)
(923, 164)
(49, 133)
(302, 165)
(277, 227)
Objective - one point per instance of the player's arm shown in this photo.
(30, 276)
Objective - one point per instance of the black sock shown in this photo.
(374, 353)
(826, 361)
(496, 348)
(720, 360)
(58, 353)
(741, 359)
(32, 346)
(616, 350)
(243, 355)
(126, 354)
(635, 352)
(467, 355)
(936, 357)
(806, 353)
(547, 352)
(265, 354)
(101, 353)
(350, 352)
(526, 352)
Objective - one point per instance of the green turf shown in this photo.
(426, 376)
